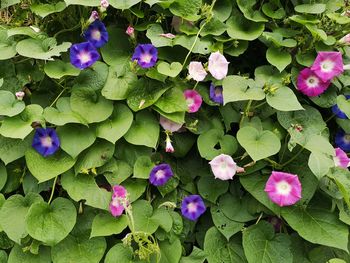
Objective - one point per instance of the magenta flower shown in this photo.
(83, 55)
(193, 100)
(146, 55)
(192, 207)
(96, 34)
(218, 65)
(215, 94)
(160, 174)
(130, 31)
(328, 65)
(341, 159)
(46, 141)
(169, 125)
(283, 188)
(197, 71)
(119, 200)
(223, 167)
(310, 84)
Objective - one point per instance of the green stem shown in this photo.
(53, 189)
(284, 147)
(293, 158)
(331, 117)
(273, 163)
(195, 86)
(66, 30)
(259, 105)
(59, 95)
(246, 112)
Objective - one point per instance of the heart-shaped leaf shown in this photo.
(44, 10)
(105, 224)
(9, 105)
(18, 255)
(279, 58)
(283, 99)
(171, 70)
(143, 167)
(173, 100)
(58, 69)
(258, 144)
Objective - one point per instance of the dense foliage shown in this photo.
(174, 131)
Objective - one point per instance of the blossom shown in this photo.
(223, 167)
(169, 125)
(215, 94)
(83, 55)
(342, 140)
(146, 55)
(130, 31)
(46, 141)
(196, 71)
(283, 188)
(160, 174)
(104, 3)
(192, 207)
(20, 95)
(340, 114)
(168, 146)
(310, 84)
(119, 200)
(94, 16)
(167, 35)
(345, 40)
(96, 34)
(341, 159)
(328, 65)
(218, 65)
(275, 222)
(193, 100)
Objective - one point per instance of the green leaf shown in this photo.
(7, 44)
(279, 58)
(20, 126)
(44, 10)
(283, 99)
(229, 204)
(318, 226)
(319, 144)
(17, 255)
(13, 213)
(225, 225)
(262, 245)
(277, 39)
(85, 100)
(170, 251)
(222, 10)
(171, 70)
(144, 218)
(310, 8)
(107, 225)
(58, 69)
(135, 188)
(83, 2)
(202, 46)
(92, 78)
(123, 4)
(144, 130)
(186, 9)
(3, 175)
(172, 101)
(84, 187)
(13, 149)
(116, 125)
(214, 27)
(154, 34)
(115, 171)
(51, 223)
(7, 3)
(45, 168)
(273, 9)
(237, 88)
(247, 8)
(211, 188)
(121, 252)
(9, 105)
(143, 167)
(320, 163)
(197, 256)
(258, 144)
(344, 105)
(75, 138)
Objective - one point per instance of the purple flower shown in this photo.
(146, 55)
(160, 174)
(215, 94)
(342, 140)
(192, 207)
(96, 34)
(46, 141)
(119, 200)
(310, 84)
(340, 114)
(83, 55)
(328, 65)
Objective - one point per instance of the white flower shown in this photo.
(223, 167)
(169, 125)
(20, 95)
(218, 65)
(197, 71)
(168, 146)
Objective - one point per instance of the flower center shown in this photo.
(347, 138)
(283, 188)
(146, 57)
(312, 81)
(46, 141)
(189, 101)
(327, 65)
(96, 35)
(192, 207)
(217, 92)
(160, 174)
(84, 57)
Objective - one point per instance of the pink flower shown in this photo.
(94, 16)
(167, 35)
(283, 188)
(193, 100)
(196, 71)
(345, 40)
(218, 65)
(169, 125)
(20, 95)
(341, 159)
(328, 65)
(223, 167)
(119, 200)
(168, 146)
(310, 84)
(130, 31)
(104, 3)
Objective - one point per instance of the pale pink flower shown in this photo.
(119, 200)
(218, 65)
(193, 100)
(104, 3)
(341, 159)
(310, 84)
(345, 40)
(169, 125)
(20, 95)
(328, 65)
(167, 35)
(94, 16)
(197, 71)
(168, 146)
(283, 188)
(223, 167)
(130, 31)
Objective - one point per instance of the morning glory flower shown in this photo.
(340, 114)
(345, 40)
(83, 55)
(218, 65)
(96, 34)
(310, 84)
(197, 71)
(328, 65)
(146, 55)
(94, 16)
(169, 148)
(341, 159)
(283, 189)
(167, 35)
(169, 125)
(223, 167)
(20, 95)
(215, 94)
(193, 100)
(342, 140)
(192, 207)
(160, 174)
(104, 4)
(119, 200)
(130, 31)
(46, 141)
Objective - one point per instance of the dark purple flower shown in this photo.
(338, 112)
(192, 207)
(146, 55)
(215, 94)
(342, 140)
(160, 174)
(96, 34)
(83, 55)
(46, 141)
